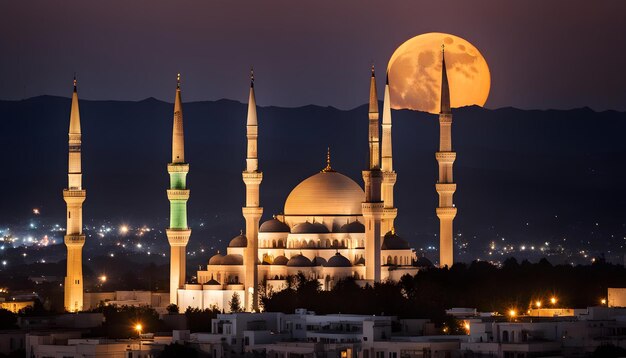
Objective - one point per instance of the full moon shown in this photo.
(414, 72)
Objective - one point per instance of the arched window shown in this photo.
(335, 243)
(505, 336)
(395, 260)
(389, 262)
(280, 243)
(274, 244)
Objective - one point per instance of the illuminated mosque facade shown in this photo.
(331, 229)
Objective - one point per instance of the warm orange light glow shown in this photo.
(538, 304)
(603, 301)
(553, 300)
(415, 73)
(512, 313)
(138, 327)
(103, 278)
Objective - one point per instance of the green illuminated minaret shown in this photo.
(178, 233)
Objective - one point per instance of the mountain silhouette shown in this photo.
(527, 175)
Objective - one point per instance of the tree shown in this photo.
(178, 350)
(235, 303)
(8, 319)
(172, 309)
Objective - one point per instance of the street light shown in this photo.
(512, 313)
(538, 304)
(553, 300)
(103, 278)
(138, 328)
(603, 301)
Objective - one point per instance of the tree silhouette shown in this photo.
(235, 303)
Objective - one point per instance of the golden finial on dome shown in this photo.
(393, 231)
(178, 80)
(328, 168)
(240, 231)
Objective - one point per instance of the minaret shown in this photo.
(373, 205)
(389, 175)
(445, 185)
(74, 197)
(178, 233)
(252, 212)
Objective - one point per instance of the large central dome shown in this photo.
(325, 194)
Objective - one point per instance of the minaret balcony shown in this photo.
(74, 196)
(445, 157)
(252, 178)
(390, 177)
(445, 118)
(178, 168)
(74, 240)
(178, 194)
(373, 209)
(445, 188)
(446, 213)
(178, 237)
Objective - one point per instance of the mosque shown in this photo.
(331, 229)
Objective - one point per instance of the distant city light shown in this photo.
(36, 211)
(123, 229)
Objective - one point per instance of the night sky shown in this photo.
(542, 54)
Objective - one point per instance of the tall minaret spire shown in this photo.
(445, 185)
(373, 206)
(389, 175)
(74, 197)
(252, 212)
(178, 232)
(374, 140)
(178, 137)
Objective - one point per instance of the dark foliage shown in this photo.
(120, 321)
(176, 350)
(8, 319)
(609, 351)
(478, 285)
(200, 320)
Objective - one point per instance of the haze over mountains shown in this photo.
(528, 176)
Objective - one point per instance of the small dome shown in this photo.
(274, 225)
(325, 194)
(310, 228)
(423, 262)
(299, 261)
(280, 260)
(213, 282)
(232, 259)
(338, 261)
(239, 241)
(319, 261)
(394, 242)
(360, 262)
(353, 227)
(216, 259)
